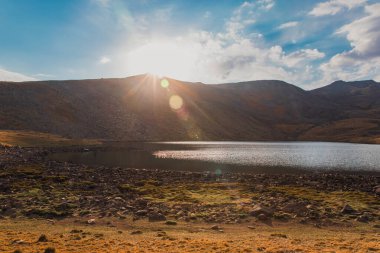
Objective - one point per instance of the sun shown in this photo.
(163, 58)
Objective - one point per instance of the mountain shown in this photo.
(138, 108)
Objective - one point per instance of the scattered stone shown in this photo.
(18, 241)
(156, 217)
(279, 235)
(49, 250)
(171, 222)
(259, 209)
(347, 209)
(215, 227)
(376, 189)
(363, 218)
(42, 238)
(262, 217)
(282, 216)
(161, 234)
(76, 231)
(141, 213)
(91, 221)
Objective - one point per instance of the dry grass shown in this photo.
(69, 236)
(202, 193)
(37, 139)
(359, 200)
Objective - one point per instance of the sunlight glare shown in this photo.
(165, 83)
(175, 102)
(162, 59)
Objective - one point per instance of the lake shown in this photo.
(233, 156)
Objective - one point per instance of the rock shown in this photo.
(259, 209)
(251, 227)
(156, 217)
(161, 234)
(215, 227)
(42, 238)
(49, 250)
(136, 232)
(364, 218)
(376, 189)
(298, 208)
(141, 212)
(376, 226)
(279, 235)
(282, 216)
(91, 221)
(19, 242)
(347, 209)
(262, 217)
(171, 222)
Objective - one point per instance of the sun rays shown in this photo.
(163, 58)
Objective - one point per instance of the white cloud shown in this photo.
(363, 60)
(221, 58)
(6, 75)
(104, 60)
(237, 54)
(288, 25)
(332, 7)
(244, 16)
(266, 4)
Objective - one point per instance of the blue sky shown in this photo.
(307, 43)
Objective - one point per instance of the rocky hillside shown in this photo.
(145, 108)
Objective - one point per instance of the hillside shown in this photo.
(138, 108)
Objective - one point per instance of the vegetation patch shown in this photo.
(361, 201)
(37, 139)
(203, 193)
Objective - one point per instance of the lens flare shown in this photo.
(176, 102)
(165, 83)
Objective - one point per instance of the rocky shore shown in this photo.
(33, 187)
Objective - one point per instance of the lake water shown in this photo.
(232, 156)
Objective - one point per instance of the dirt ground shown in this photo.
(104, 235)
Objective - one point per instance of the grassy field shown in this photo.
(37, 139)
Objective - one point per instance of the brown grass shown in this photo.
(37, 139)
(69, 236)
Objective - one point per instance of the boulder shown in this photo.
(263, 217)
(171, 222)
(156, 217)
(259, 209)
(347, 209)
(141, 212)
(91, 221)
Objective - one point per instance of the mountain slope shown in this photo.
(358, 110)
(138, 108)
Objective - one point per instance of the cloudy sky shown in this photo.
(307, 43)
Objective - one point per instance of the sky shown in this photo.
(307, 43)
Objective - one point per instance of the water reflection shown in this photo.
(220, 157)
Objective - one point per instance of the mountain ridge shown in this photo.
(138, 108)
